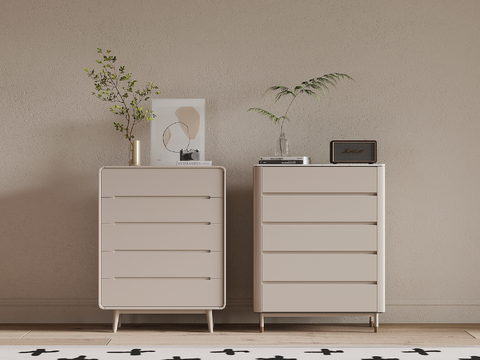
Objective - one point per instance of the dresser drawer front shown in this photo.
(319, 179)
(162, 293)
(319, 237)
(319, 298)
(298, 208)
(163, 182)
(157, 236)
(130, 264)
(319, 267)
(162, 209)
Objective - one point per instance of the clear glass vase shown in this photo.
(281, 146)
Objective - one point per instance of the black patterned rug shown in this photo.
(146, 352)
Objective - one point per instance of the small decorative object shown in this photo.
(117, 86)
(281, 147)
(353, 151)
(178, 131)
(134, 153)
(308, 87)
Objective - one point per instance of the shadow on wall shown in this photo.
(239, 242)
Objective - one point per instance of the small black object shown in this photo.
(133, 352)
(325, 352)
(189, 155)
(229, 351)
(38, 352)
(353, 151)
(421, 351)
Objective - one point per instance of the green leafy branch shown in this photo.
(319, 84)
(117, 86)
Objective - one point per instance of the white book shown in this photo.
(194, 163)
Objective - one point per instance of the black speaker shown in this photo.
(353, 151)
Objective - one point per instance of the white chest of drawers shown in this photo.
(319, 241)
(162, 240)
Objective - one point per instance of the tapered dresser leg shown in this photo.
(262, 323)
(210, 320)
(371, 321)
(375, 326)
(116, 317)
(119, 320)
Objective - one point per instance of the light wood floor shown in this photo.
(275, 334)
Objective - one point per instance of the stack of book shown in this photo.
(287, 160)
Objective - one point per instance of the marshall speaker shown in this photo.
(353, 151)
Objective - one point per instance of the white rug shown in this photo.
(146, 352)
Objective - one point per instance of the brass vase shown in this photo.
(134, 153)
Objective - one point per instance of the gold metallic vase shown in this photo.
(134, 153)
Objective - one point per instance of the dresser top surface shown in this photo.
(317, 165)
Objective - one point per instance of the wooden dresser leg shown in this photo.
(116, 317)
(210, 320)
(262, 323)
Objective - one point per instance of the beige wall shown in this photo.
(416, 66)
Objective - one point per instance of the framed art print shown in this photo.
(179, 125)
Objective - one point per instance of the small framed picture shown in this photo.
(177, 130)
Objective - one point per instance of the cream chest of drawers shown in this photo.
(162, 240)
(319, 241)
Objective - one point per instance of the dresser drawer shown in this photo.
(307, 208)
(319, 237)
(319, 298)
(155, 236)
(319, 267)
(162, 209)
(175, 264)
(319, 179)
(162, 182)
(154, 292)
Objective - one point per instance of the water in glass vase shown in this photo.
(281, 147)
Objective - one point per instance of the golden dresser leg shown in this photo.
(210, 320)
(116, 318)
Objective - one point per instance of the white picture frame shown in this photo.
(179, 124)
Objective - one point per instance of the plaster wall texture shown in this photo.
(416, 91)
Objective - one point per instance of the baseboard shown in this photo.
(238, 310)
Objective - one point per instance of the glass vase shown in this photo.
(281, 146)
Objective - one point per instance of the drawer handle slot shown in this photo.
(161, 196)
(163, 223)
(162, 250)
(165, 278)
(319, 193)
(322, 282)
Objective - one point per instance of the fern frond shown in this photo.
(275, 88)
(283, 93)
(311, 93)
(265, 113)
(345, 76)
(297, 88)
(309, 87)
(325, 79)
